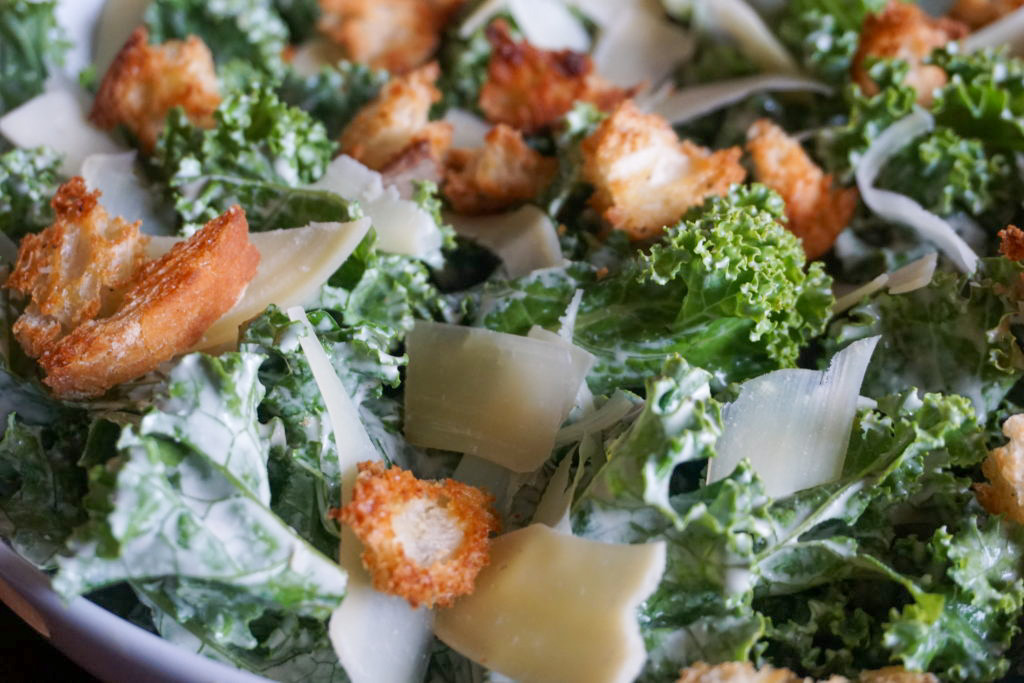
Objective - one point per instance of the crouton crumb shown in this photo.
(145, 81)
(398, 119)
(745, 672)
(424, 541)
(645, 178)
(1004, 469)
(1011, 243)
(74, 270)
(503, 173)
(817, 211)
(397, 35)
(530, 89)
(978, 13)
(904, 31)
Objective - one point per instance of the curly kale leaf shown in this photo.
(726, 289)
(28, 179)
(334, 95)
(825, 33)
(301, 17)
(954, 336)
(261, 154)
(244, 31)
(30, 42)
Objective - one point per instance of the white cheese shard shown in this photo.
(794, 425)
(294, 264)
(739, 21)
(911, 277)
(554, 607)
(118, 20)
(687, 104)
(57, 119)
(468, 129)
(525, 239)
(378, 638)
(498, 396)
(1008, 30)
(640, 46)
(546, 24)
(124, 192)
(899, 208)
(402, 226)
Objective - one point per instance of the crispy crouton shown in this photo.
(978, 13)
(817, 211)
(501, 174)
(145, 81)
(904, 31)
(745, 672)
(530, 89)
(425, 541)
(1011, 243)
(165, 311)
(398, 119)
(1004, 469)
(397, 35)
(645, 177)
(75, 270)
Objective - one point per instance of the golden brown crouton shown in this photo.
(896, 674)
(501, 174)
(416, 162)
(397, 35)
(168, 306)
(904, 31)
(425, 541)
(817, 211)
(398, 119)
(145, 81)
(530, 89)
(978, 13)
(645, 177)
(1004, 469)
(737, 672)
(75, 270)
(1011, 243)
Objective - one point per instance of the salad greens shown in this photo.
(204, 493)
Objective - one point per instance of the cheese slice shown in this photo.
(118, 20)
(525, 239)
(555, 607)
(294, 264)
(640, 46)
(359, 625)
(57, 119)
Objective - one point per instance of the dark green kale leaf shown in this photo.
(301, 17)
(954, 336)
(824, 33)
(725, 288)
(246, 31)
(30, 43)
(334, 95)
(28, 179)
(261, 155)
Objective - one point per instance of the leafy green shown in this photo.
(188, 495)
(957, 335)
(334, 95)
(246, 31)
(824, 33)
(725, 288)
(28, 179)
(301, 17)
(30, 43)
(464, 69)
(568, 191)
(260, 155)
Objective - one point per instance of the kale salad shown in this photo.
(535, 340)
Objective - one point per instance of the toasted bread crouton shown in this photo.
(817, 210)
(503, 173)
(74, 270)
(425, 541)
(1004, 469)
(398, 119)
(1011, 243)
(978, 13)
(904, 31)
(169, 305)
(530, 89)
(645, 177)
(736, 672)
(145, 81)
(895, 674)
(397, 35)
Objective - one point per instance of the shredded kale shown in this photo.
(30, 43)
